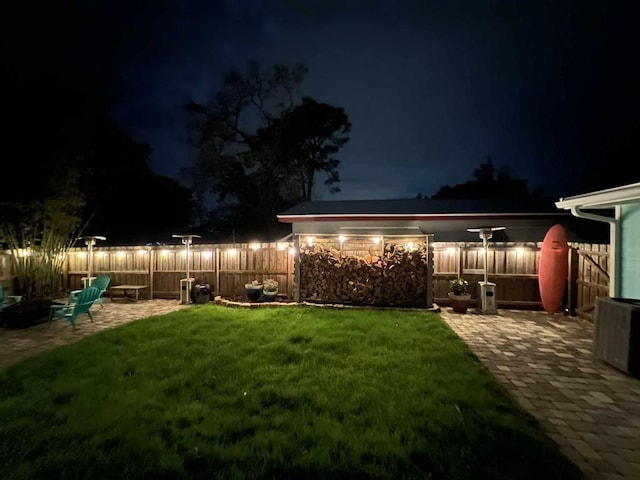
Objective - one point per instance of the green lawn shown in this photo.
(297, 392)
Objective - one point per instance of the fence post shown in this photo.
(152, 263)
(430, 286)
(65, 275)
(572, 286)
(296, 270)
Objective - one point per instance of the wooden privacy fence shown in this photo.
(225, 267)
(513, 267)
(228, 267)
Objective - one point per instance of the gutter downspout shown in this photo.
(614, 239)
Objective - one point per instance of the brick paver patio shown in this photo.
(18, 344)
(546, 362)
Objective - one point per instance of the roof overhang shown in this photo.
(346, 217)
(608, 198)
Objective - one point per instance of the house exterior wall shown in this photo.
(630, 251)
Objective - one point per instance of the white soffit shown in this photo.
(608, 198)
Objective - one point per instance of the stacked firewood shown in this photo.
(398, 278)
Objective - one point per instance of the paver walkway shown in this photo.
(546, 362)
(16, 345)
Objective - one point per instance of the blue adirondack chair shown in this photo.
(84, 301)
(101, 283)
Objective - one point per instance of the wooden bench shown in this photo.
(128, 291)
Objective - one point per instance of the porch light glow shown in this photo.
(519, 250)
(292, 251)
(232, 251)
(254, 246)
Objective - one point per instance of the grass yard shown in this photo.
(297, 392)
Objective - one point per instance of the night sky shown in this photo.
(431, 87)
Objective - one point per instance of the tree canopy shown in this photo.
(259, 147)
(488, 183)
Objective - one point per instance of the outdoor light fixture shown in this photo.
(90, 241)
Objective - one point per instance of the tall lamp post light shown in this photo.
(186, 283)
(487, 301)
(90, 241)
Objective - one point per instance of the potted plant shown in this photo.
(270, 290)
(459, 295)
(254, 290)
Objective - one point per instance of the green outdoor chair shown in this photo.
(84, 301)
(101, 283)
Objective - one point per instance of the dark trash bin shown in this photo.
(616, 338)
(201, 293)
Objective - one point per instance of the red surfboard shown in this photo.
(553, 269)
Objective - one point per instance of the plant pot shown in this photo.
(253, 292)
(459, 303)
(269, 296)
